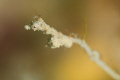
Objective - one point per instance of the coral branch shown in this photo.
(58, 39)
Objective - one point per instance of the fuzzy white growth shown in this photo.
(27, 27)
(58, 39)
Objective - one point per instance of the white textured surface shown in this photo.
(58, 40)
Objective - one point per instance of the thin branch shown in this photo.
(58, 39)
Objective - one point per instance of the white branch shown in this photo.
(58, 39)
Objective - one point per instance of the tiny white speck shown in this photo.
(27, 27)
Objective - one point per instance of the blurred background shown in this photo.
(23, 55)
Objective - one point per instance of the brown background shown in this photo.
(23, 55)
